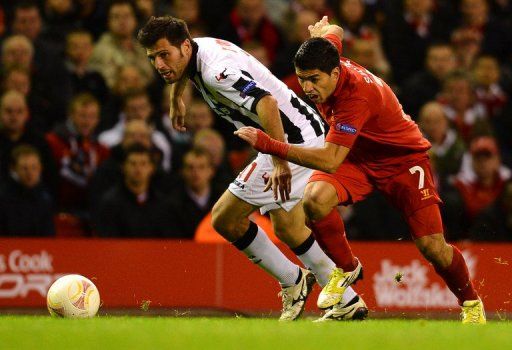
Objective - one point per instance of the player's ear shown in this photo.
(186, 47)
(335, 73)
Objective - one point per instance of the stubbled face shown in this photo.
(486, 71)
(433, 123)
(197, 171)
(18, 81)
(28, 168)
(138, 169)
(138, 108)
(318, 85)
(79, 48)
(441, 61)
(27, 22)
(121, 20)
(486, 165)
(352, 10)
(137, 132)
(13, 113)
(86, 118)
(170, 61)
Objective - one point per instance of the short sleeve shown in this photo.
(237, 86)
(348, 120)
(335, 40)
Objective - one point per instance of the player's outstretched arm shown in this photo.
(323, 28)
(326, 159)
(178, 108)
(281, 179)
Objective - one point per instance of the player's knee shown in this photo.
(315, 206)
(435, 249)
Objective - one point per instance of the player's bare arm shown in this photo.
(323, 28)
(178, 110)
(326, 159)
(280, 181)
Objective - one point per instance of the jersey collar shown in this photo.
(192, 64)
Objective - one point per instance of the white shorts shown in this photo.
(249, 184)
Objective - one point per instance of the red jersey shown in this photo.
(364, 115)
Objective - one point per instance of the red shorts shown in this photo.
(410, 190)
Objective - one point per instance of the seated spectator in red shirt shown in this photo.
(25, 206)
(197, 193)
(447, 147)
(134, 208)
(480, 189)
(14, 115)
(489, 92)
(248, 21)
(463, 110)
(77, 153)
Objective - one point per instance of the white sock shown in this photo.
(261, 251)
(320, 264)
(317, 261)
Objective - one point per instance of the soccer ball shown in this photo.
(73, 296)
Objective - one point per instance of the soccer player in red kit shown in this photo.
(371, 144)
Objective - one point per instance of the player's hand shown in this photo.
(177, 114)
(250, 134)
(280, 181)
(319, 29)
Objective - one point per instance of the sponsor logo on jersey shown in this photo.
(425, 194)
(222, 75)
(347, 128)
(247, 88)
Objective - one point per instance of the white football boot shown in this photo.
(294, 297)
(355, 309)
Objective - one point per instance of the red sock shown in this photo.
(330, 235)
(457, 278)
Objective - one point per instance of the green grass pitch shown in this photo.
(36, 332)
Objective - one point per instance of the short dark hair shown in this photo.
(137, 148)
(22, 151)
(317, 53)
(173, 29)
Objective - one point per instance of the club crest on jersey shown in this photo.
(247, 88)
(346, 128)
(222, 75)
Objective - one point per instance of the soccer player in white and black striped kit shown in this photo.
(243, 91)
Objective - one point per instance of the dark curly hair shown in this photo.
(173, 29)
(317, 53)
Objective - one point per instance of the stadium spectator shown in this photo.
(368, 53)
(14, 114)
(80, 77)
(406, 37)
(495, 222)
(77, 153)
(468, 116)
(480, 187)
(47, 68)
(137, 106)
(195, 198)
(447, 147)
(425, 85)
(128, 80)
(297, 33)
(211, 141)
(248, 21)
(18, 51)
(352, 18)
(486, 75)
(109, 173)
(117, 47)
(134, 208)
(25, 205)
(477, 24)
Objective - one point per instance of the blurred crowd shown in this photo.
(87, 149)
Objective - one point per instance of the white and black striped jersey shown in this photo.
(232, 82)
